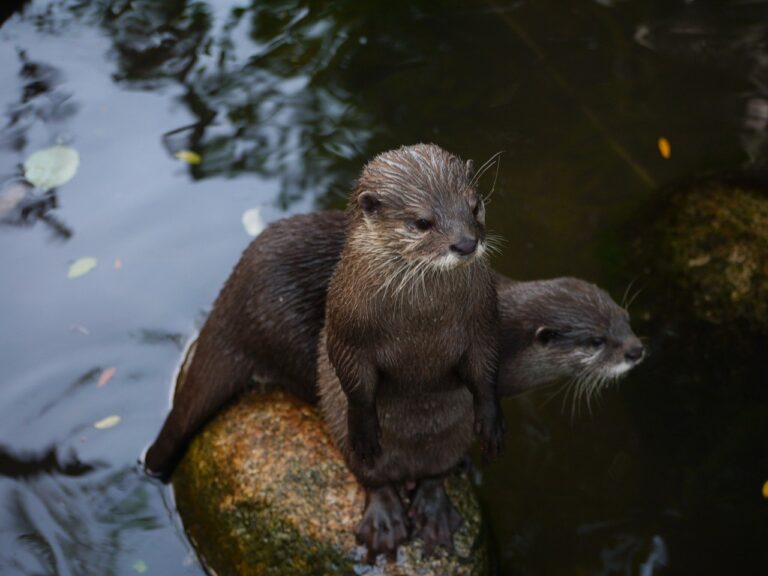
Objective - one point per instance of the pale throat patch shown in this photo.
(619, 369)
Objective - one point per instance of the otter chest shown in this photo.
(424, 352)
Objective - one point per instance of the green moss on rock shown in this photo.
(713, 246)
(263, 491)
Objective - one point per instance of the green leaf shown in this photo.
(51, 167)
(81, 266)
(139, 566)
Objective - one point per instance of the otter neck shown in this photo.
(527, 371)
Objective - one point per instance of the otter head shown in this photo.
(573, 330)
(418, 205)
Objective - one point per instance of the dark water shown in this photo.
(284, 103)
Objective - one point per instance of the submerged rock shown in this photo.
(712, 245)
(264, 491)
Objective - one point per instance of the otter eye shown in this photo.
(597, 342)
(546, 335)
(423, 224)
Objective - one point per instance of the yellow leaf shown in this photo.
(81, 266)
(765, 489)
(107, 422)
(106, 376)
(665, 149)
(189, 157)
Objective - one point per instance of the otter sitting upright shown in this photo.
(407, 357)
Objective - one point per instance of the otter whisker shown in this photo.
(487, 197)
(626, 292)
(632, 299)
(571, 389)
(493, 243)
(558, 386)
(484, 168)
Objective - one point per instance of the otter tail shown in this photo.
(211, 380)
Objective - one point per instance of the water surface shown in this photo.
(284, 103)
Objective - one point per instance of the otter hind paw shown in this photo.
(433, 516)
(383, 526)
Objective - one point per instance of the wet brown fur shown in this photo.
(267, 319)
(408, 335)
(413, 363)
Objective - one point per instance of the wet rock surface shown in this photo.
(711, 245)
(263, 491)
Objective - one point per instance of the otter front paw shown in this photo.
(364, 435)
(490, 427)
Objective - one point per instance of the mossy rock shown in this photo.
(713, 247)
(264, 491)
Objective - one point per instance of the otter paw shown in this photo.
(382, 528)
(433, 516)
(490, 428)
(364, 436)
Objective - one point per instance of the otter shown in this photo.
(563, 329)
(407, 354)
(265, 326)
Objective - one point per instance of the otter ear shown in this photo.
(368, 202)
(545, 335)
(469, 169)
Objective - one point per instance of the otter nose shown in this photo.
(635, 353)
(465, 246)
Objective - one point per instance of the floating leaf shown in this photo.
(765, 489)
(118, 264)
(665, 149)
(106, 376)
(139, 566)
(81, 266)
(252, 222)
(189, 157)
(107, 422)
(52, 166)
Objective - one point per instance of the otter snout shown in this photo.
(465, 246)
(634, 351)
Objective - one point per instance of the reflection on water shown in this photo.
(43, 105)
(284, 103)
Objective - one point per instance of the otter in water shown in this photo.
(563, 329)
(407, 356)
(267, 319)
